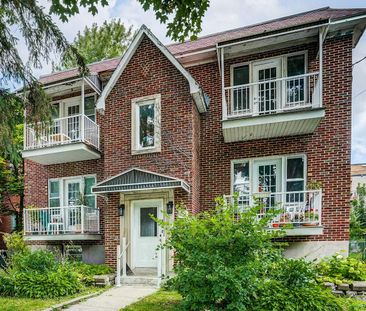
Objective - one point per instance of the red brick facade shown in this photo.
(193, 148)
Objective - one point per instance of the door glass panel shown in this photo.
(146, 125)
(73, 193)
(295, 88)
(267, 92)
(267, 182)
(73, 121)
(241, 94)
(148, 227)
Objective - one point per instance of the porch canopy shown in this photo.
(138, 180)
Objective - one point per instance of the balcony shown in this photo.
(272, 108)
(61, 223)
(68, 139)
(298, 213)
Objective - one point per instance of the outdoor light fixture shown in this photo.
(121, 210)
(169, 207)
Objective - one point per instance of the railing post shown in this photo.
(159, 272)
(118, 272)
(82, 218)
(82, 125)
(124, 257)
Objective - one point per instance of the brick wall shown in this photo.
(192, 145)
(328, 148)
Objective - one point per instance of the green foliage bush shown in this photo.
(227, 260)
(339, 269)
(36, 274)
(87, 271)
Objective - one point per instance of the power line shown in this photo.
(359, 61)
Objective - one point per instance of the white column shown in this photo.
(118, 272)
(124, 257)
(82, 112)
(321, 39)
(224, 104)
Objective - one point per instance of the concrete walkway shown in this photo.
(114, 299)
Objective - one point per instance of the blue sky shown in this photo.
(227, 14)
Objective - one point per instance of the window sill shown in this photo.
(146, 151)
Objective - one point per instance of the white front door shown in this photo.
(267, 176)
(267, 92)
(145, 232)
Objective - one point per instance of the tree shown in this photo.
(99, 43)
(358, 214)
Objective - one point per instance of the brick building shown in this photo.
(263, 111)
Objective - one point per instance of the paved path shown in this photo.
(114, 298)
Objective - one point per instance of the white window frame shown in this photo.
(251, 162)
(62, 181)
(283, 64)
(135, 124)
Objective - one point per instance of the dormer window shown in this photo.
(146, 124)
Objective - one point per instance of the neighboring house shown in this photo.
(358, 172)
(262, 110)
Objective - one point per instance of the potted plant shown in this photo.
(311, 218)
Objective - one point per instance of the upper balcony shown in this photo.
(72, 134)
(272, 107)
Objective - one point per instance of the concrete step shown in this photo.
(140, 280)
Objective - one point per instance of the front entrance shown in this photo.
(145, 232)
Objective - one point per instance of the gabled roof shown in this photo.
(310, 17)
(321, 15)
(194, 87)
(136, 179)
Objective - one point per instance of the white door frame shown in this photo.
(270, 63)
(257, 163)
(134, 229)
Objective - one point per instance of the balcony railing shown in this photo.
(61, 131)
(291, 209)
(272, 96)
(61, 220)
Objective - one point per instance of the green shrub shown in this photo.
(15, 243)
(87, 271)
(339, 269)
(227, 260)
(40, 261)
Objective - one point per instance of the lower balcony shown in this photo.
(69, 139)
(61, 223)
(298, 213)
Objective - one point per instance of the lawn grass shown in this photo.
(27, 304)
(161, 301)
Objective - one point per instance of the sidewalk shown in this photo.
(114, 299)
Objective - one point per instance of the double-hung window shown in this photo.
(89, 107)
(146, 124)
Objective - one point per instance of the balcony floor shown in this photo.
(291, 123)
(63, 237)
(72, 152)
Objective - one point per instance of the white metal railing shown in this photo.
(272, 96)
(297, 208)
(78, 219)
(76, 128)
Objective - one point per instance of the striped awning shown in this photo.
(138, 180)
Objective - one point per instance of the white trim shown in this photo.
(135, 124)
(283, 158)
(144, 31)
(62, 184)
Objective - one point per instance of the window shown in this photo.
(269, 174)
(89, 197)
(66, 191)
(295, 87)
(240, 95)
(74, 252)
(89, 107)
(146, 124)
(148, 227)
(295, 180)
(54, 193)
